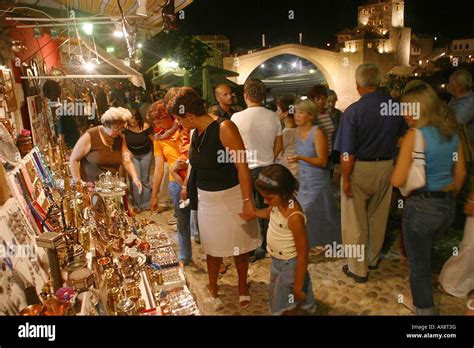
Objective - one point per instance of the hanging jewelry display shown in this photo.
(50, 176)
(30, 168)
(17, 239)
(17, 222)
(42, 217)
(27, 179)
(19, 230)
(91, 237)
(8, 150)
(38, 164)
(22, 185)
(46, 175)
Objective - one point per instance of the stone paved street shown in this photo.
(335, 293)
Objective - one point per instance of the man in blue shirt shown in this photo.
(367, 139)
(462, 103)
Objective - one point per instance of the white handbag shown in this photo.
(416, 174)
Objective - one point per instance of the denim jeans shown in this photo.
(164, 194)
(183, 216)
(259, 204)
(142, 165)
(194, 223)
(423, 218)
(282, 279)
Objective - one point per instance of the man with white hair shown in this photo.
(460, 87)
(366, 141)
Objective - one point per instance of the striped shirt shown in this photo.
(324, 121)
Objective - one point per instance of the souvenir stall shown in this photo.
(66, 248)
(69, 249)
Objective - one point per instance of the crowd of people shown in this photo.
(251, 182)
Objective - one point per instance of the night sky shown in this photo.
(243, 21)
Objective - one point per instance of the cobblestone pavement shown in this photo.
(335, 293)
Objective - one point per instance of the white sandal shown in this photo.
(244, 299)
(408, 303)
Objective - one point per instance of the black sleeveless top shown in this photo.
(207, 155)
(138, 143)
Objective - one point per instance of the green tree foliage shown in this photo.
(188, 51)
(191, 52)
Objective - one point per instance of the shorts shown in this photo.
(282, 279)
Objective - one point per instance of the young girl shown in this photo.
(287, 243)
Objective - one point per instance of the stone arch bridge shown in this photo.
(338, 68)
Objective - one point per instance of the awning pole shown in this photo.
(57, 25)
(77, 77)
(68, 19)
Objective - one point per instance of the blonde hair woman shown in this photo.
(103, 148)
(315, 194)
(429, 210)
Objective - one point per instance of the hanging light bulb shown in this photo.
(141, 10)
(53, 33)
(88, 28)
(118, 29)
(89, 66)
(18, 46)
(38, 32)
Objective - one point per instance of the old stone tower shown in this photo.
(380, 30)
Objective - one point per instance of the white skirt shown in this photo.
(222, 231)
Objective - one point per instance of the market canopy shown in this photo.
(152, 22)
(176, 79)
